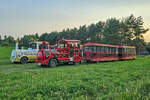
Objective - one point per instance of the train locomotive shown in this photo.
(24, 56)
(67, 51)
(70, 51)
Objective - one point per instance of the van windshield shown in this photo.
(33, 45)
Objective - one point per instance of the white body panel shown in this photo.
(30, 53)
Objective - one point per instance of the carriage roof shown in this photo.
(107, 45)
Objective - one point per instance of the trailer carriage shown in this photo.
(95, 52)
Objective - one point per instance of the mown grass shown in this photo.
(112, 80)
(5, 52)
(119, 80)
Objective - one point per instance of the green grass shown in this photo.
(5, 52)
(119, 80)
(112, 80)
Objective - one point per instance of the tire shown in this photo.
(24, 60)
(52, 63)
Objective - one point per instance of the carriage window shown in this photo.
(106, 49)
(102, 49)
(86, 49)
(90, 49)
(113, 50)
(125, 50)
(110, 50)
(116, 50)
(94, 49)
(133, 50)
(98, 49)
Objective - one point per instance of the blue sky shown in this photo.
(19, 17)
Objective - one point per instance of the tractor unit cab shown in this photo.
(66, 51)
(27, 55)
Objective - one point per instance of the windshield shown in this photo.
(33, 45)
(62, 44)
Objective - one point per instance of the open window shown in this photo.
(77, 45)
(62, 44)
(71, 45)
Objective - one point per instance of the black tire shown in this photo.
(52, 63)
(24, 60)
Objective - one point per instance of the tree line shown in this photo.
(124, 31)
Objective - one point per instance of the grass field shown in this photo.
(5, 52)
(120, 80)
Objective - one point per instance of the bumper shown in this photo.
(15, 60)
(40, 62)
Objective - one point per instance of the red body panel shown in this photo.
(128, 57)
(65, 54)
(95, 59)
(108, 55)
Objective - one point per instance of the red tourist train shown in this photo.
(70, 51)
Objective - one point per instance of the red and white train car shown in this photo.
(127, 52)
(95, 52)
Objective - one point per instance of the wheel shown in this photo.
(24, 60)
(52, 63)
